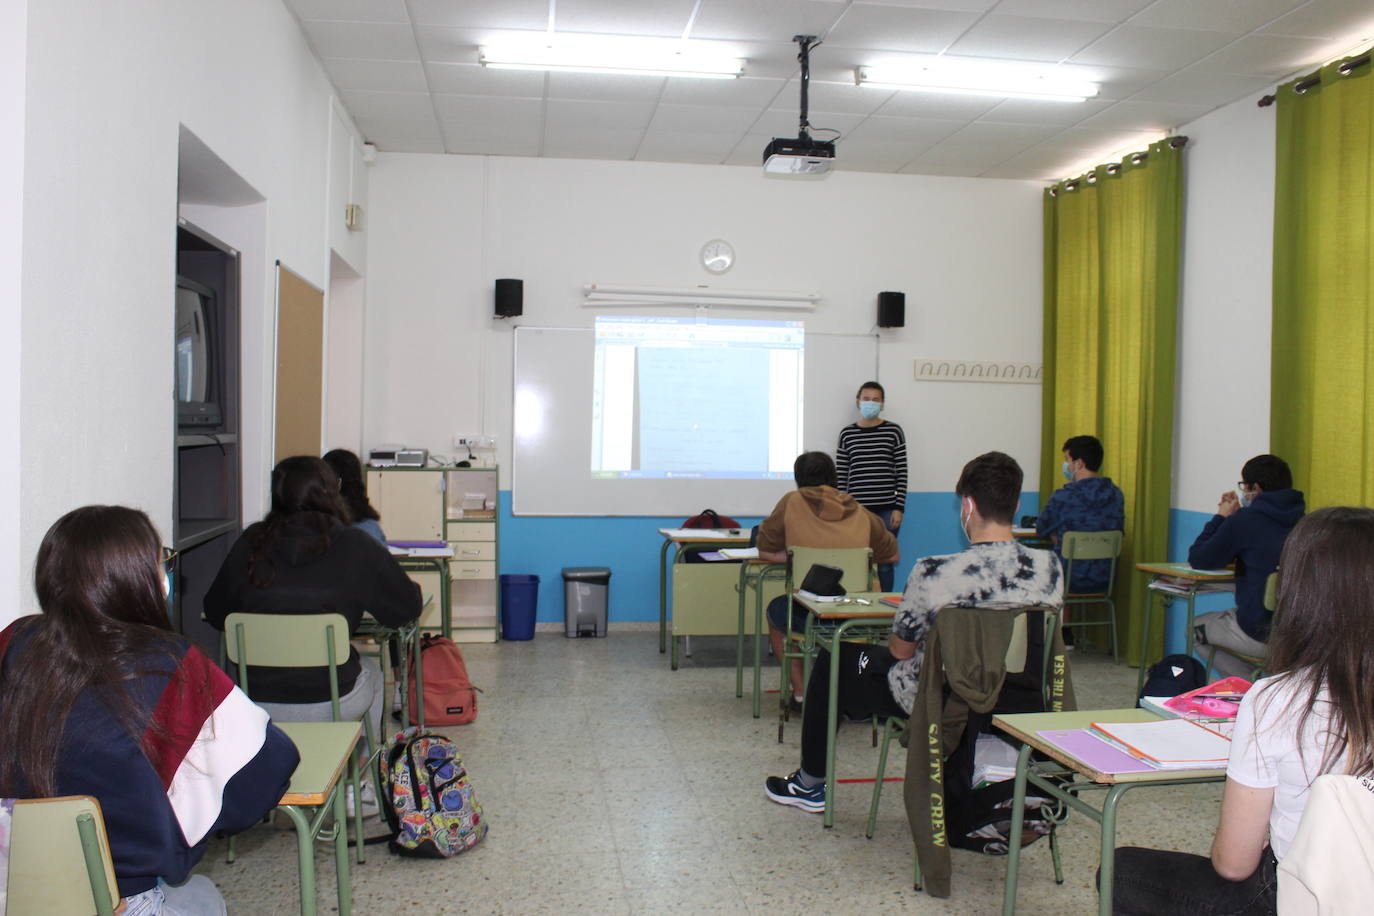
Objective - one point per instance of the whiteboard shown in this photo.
(552, 426)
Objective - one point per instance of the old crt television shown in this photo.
(198, 378)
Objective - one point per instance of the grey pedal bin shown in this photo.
(585, 596)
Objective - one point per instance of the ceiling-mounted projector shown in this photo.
(801, 155)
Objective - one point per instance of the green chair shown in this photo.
(1079, 546)
(1257, 663)
(60, 862)
(858, 568)
(301, 641)
(895, 727)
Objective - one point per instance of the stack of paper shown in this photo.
(740, 553)
(1167, 744)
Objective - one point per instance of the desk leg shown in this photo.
(831, 721)
(1146, 619)
(663, 596)
(1106, 874)
(305, 851)
(1018, 814)
(445, 599)
(739, 639)
(419, 657)
(759, 636)
(1188, 630)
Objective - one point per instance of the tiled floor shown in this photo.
(614, 785)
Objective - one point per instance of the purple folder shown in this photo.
(405, 544)
(1082, 744)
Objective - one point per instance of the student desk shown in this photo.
(432, 559)
(406, 638)
(1031, 538)
(324, 749)
(752, 575)
(1193, 581)
(682, 538)
(1025, 727)
(828, 624)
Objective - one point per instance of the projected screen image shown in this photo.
(690, 397)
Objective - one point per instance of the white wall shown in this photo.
(108, 87)
(965, 251)
(1222, 418)
(13, 56)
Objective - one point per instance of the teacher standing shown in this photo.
(870, 461)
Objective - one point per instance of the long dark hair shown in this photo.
(349, 470)
(305, 493)
(1323, 635)
(104, 624)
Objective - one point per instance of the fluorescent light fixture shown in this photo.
(606, 294)
(619, 54)
(968, 77)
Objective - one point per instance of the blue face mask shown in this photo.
(1068, 474)
(869, 409)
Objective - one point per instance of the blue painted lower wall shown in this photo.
(629, 546)
(1184, 527)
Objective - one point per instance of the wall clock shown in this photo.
(717, 256)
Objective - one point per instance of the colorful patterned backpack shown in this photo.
(429, 805)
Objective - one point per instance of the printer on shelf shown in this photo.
(397, 456)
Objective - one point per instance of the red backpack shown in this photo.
(708, 518)
(450, 698)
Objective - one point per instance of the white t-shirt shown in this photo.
(1268, 753)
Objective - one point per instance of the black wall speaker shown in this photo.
(891, 310)
(510, 298)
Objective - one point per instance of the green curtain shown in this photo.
(1321, 405)
(1111, 301)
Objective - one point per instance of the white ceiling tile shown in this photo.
(351, 10)
(392, 130)
(1152, 49)
(738, 92)
(1088, 10)
(1198, 87)
(917, 132)
(461, 147)
(958, 167)
(1035, 111)
(1120, 82)
(474, 79)
(895, 28)
(1147, 115)
(906, 104)
(560, 113)
(959, 6)
(1026, 38)
(369, 104)
(1216, 15)
(446, 45)
(1347, 20)
(579, 142)
(845, 97)
(749, 151)
(623, 17)
(604, 87)
(482, 14)
(686, 146)
(483, 110)
(877, 155)
(409, 145)
(362, 41)
(523, 131)
(764, 20)
(704, 118)
(782, 122)
(1078, 142)
(1033, 165)
(1271, 56)
(385, 75)
(997, 134)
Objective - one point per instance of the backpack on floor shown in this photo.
(1172, 675)
(428, 801)
(450, 698)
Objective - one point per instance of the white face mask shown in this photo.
(1243, 497)
(965, 519)
(1068, 471)
(166, 584)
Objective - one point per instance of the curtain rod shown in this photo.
(1302, 86)
(1175, 142)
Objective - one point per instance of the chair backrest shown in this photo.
(857, 563)
(1018, 648)
(60, 858)
(1271, 591)
(1090, 545)
(287, 641)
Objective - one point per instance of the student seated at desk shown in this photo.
(99, 697)
(820, 516)
(353, 489)
(1249, 528)
(305, 558)
(1088, 502)
(1313, 716)
(994, 571)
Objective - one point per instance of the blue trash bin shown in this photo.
(519, 602)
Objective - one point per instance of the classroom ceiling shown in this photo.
(407, 70)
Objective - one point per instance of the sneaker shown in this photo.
(794, 706)
(369, 802)
(789, 791)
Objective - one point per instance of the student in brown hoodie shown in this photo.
(815, 515)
